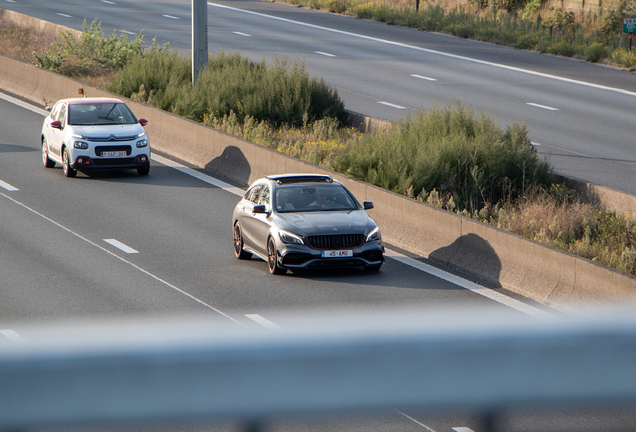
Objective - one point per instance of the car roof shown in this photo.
(90, 100)
(300, 178)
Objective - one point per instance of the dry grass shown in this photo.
(19, 43)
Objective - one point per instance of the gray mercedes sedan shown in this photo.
(304, 221)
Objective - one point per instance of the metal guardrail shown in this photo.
(346, 362)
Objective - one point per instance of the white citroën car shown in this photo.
(84, 134)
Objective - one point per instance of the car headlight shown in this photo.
(289, 238)
(80, 145)
(78, 136)
(142, 143)
(141, 134)
(374, 235)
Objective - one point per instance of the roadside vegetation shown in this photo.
(524, 24)
(451, 157)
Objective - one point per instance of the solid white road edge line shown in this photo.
(24, 105)
(194, 173)
(430, 51)
(119, 245)
(462, 429)
(242, 34)
(13, 336)
(8, 187)
(264, 322)
(171, 17)
(415, 421)
(471, 286)
(157, 278)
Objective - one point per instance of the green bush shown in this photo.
(92, 51)
(595, 52)
(624, 58)
(452, 150)
(279, 93)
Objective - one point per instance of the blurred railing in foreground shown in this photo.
(184, 369)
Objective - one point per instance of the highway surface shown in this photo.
(117, 246)
(580, 115)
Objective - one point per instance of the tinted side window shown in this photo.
(264, 199)
(56, 111)
(62, 116)
(255, 194)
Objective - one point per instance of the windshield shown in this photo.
(100, 114)
(292, 199)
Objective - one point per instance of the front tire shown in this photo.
(68, 171)
(143, 171)
(272, 261)
(373, 268)
(238, 244)
(48, 163)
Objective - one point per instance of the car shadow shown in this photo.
(13, 148)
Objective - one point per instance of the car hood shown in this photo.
(126, 130)
(326, 222)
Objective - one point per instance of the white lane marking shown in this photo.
(471, 286)
(392, 105)
(264, 322)
(119, 245)
(171, 17)
(157, 278)
(535, 143)
(24, 105)
(423, 77)
(542, 106)
(108, 2)
(430, 51)
(194, 173)
(127, 32)
(10, 1)
(8, 187)
(462, 429)
(413, 420)
(242, 34)
(13, 336)
(325, 54)
(64, 15)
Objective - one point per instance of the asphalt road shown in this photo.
(116, 246)
(579, 115)
(56, 262)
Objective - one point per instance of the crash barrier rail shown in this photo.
(430, 362)
(493, 256)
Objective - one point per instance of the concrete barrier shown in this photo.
(542, 273)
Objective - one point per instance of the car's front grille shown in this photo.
(100, 149)
(335, 241)
(114, 161)
(111, 138)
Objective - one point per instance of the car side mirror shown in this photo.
(261, 208)
(143, 122)
(368, 205)
(56, 124)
